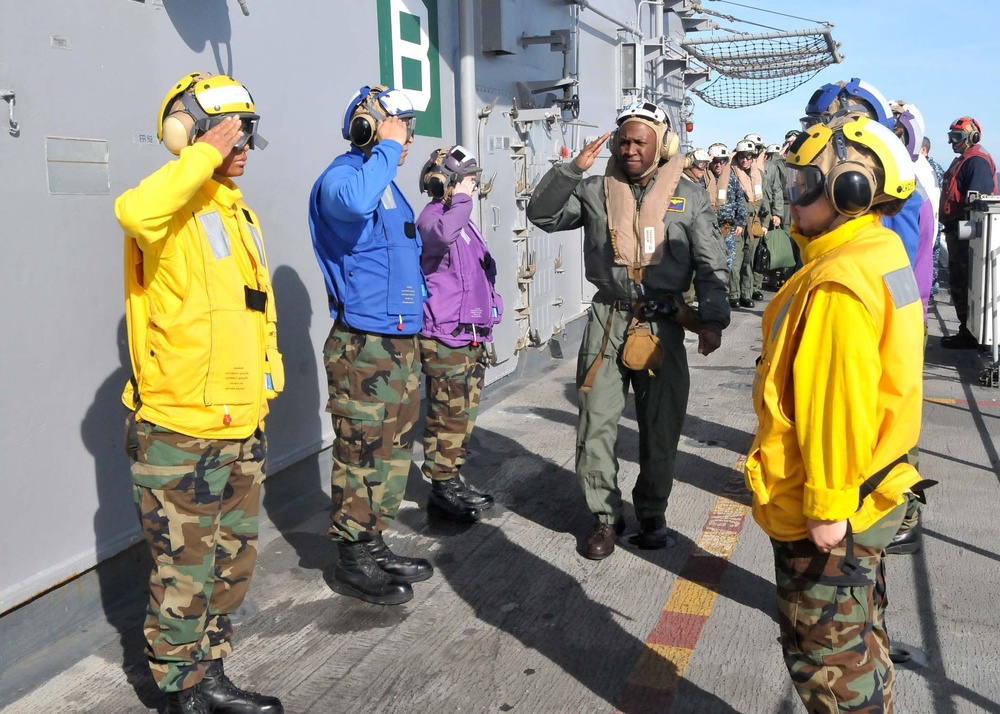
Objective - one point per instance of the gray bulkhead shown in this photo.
(81, 84)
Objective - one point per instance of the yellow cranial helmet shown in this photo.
(855, 160)
(197, 102)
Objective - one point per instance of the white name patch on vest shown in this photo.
(388, 200)
(902, 286)
(649, 239)
(216, 234)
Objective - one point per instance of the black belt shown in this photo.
(467, 327)
(341, 325)
(623, 305)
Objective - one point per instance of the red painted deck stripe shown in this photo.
(653, 682)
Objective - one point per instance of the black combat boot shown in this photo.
(358, 575)
(186, 701)
(653, 534)
(409, 570)
(961, 340)
(224, 697)
(444, 502)
(476, 499)
(905, 542)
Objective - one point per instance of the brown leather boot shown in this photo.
(601, 543)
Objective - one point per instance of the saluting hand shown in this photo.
(224, 135)
(392, 128)
(467, 185)
(586, 158)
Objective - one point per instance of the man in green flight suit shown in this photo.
(646, 235)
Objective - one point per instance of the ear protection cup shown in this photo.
(177, 129)
(436, 184)
(671, 145)
(851, 186)
(976, 135)
(363, 128)
(613, 142)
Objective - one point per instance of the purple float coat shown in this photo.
(460, 274)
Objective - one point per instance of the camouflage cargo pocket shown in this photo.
(824, 610)
(359, 426)
(825, 619)
(166, 460)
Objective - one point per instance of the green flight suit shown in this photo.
(564, 200)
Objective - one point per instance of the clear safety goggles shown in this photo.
(805, 184)
(411, 126)
(700, 165)
(395, 103)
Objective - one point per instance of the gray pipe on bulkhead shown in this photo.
(468, 115)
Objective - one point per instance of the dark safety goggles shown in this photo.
(744, 155)
(805, 184)
(955, 137)
(700, 165)
(248, 134)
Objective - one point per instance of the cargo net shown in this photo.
(754, 69)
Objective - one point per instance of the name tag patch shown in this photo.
(388, 200)
(677, 204)
(902, 286)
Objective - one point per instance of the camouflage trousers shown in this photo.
(730, 250)
(454, 384)
(833, 634)
(198, 502)
(374, 383)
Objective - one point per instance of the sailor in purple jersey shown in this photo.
(459, 317)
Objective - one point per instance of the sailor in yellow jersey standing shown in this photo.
(201, 325)
(838, 400)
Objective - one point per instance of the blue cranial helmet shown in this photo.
(843, 97)
(372, 105)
